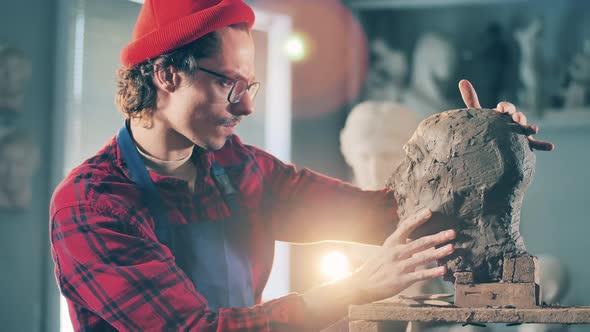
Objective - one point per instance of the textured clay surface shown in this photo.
(471, 168)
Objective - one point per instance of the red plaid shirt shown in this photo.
(115, 274)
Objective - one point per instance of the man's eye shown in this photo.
(226, 83)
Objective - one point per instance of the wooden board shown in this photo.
(384, 312)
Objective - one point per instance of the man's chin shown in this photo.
(213, 145)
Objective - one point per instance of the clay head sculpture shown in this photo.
(372, 138)
(471, 168)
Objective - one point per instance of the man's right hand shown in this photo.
(390, 270)
(393, 267)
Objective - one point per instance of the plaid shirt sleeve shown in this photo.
(113, 272)
(308, 207)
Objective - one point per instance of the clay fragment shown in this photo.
(519, 269)
(463, 278)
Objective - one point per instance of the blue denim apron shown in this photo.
(212, 254)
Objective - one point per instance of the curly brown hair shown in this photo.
(136, 93)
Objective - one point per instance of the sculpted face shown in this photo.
(471, 168)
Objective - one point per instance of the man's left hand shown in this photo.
(471, 101)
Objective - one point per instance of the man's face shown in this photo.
(198, 108)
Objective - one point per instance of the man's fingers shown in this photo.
(530, 129)
(510, 109)
(426, 257)
(427, 242)
(426, 274)
(407, 226)
(540, 145)
(536, 144)
(521, 119)
(506, 107)
(468, 94)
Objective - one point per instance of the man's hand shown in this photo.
(393, 268)
(471, 101)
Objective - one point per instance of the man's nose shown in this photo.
(244, 107)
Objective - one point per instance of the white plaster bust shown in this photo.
(372, 140)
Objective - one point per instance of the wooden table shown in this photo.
(379, 316)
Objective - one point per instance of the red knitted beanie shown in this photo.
(164, 25)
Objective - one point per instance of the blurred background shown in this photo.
(317, 61)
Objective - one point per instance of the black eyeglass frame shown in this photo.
(234, 82)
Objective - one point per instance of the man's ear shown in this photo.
(167, 79)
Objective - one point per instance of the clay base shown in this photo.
(513, 295)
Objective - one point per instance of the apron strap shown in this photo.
(139, 174)
(230, 194)
(226, 284)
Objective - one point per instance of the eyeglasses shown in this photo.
(238, 87)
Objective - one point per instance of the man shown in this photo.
(171, 226)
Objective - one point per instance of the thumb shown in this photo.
(468, 94)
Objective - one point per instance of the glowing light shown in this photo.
(295, 47)
(335, 265)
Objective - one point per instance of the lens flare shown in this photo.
(295, 47)
(335, 265)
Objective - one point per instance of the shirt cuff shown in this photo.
(285, 313)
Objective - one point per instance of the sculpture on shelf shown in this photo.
(528, 39)
(487, 61)
(387, 74)
(19, 159)
(372, 139)
(433, 69)
(15, 71)
(576, 92)
(19, 156)
(471, 168)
